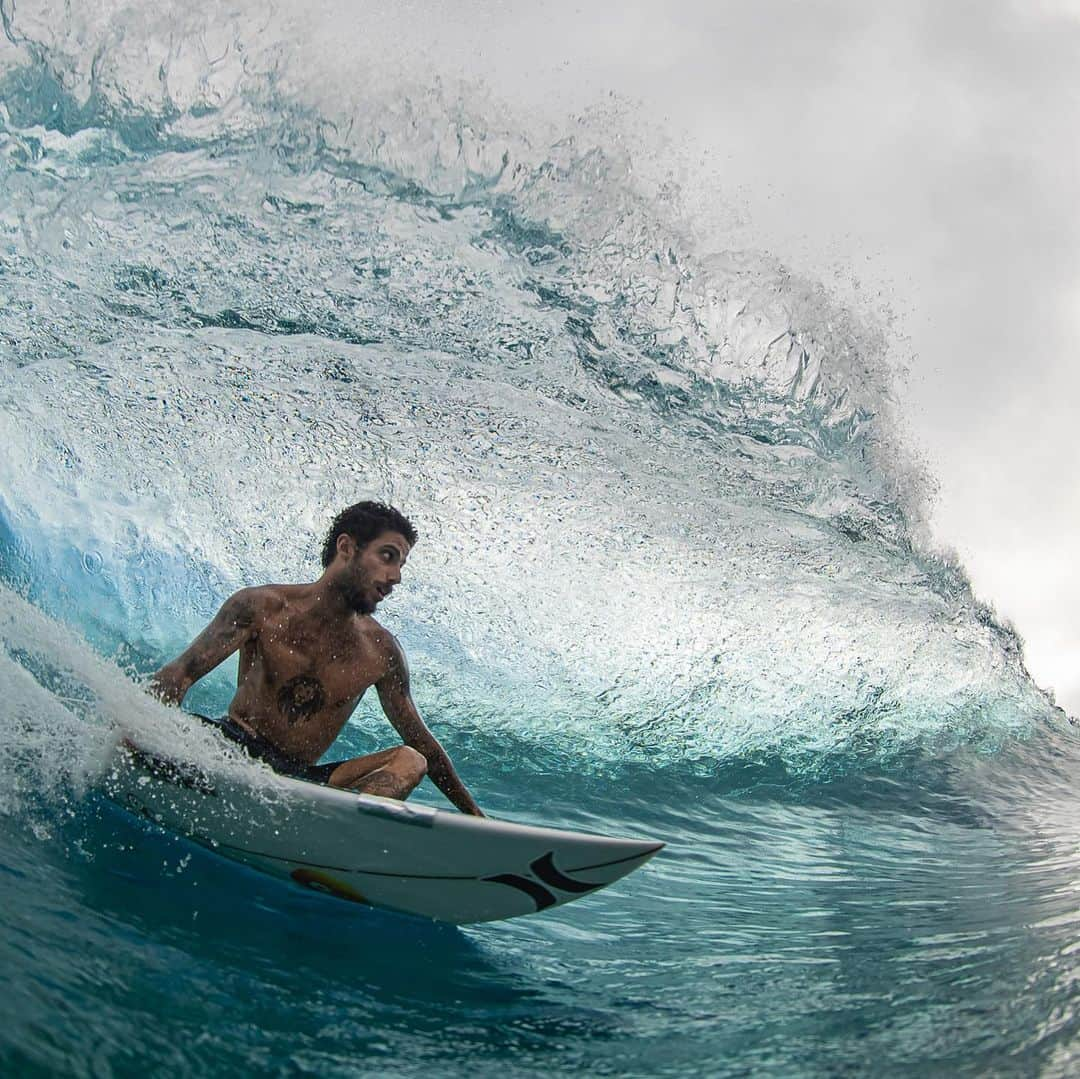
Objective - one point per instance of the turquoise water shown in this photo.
(672, 581)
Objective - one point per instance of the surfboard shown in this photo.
(360, 848)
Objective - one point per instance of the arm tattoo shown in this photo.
(240, 610)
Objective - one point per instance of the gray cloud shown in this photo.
(931, 148)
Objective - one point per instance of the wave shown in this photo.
(665, 504)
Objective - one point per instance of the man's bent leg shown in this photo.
(391, 773)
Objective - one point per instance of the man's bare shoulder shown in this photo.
(380, 638)
(251, 604)
(280, 595)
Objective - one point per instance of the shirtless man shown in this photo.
(307, 654)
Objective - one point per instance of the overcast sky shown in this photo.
(929, 146)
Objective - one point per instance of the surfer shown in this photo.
(307, 654)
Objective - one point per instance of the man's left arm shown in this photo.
(397, 703)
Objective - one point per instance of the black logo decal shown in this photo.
(544, 868)
(536, 892)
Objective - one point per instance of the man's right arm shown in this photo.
(233, 626)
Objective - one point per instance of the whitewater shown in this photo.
(673, 580)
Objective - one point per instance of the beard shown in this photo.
(357, 594)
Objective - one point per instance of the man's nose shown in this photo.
(395, 575)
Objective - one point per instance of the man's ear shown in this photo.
(346, 545)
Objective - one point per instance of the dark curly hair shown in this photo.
(364, 522)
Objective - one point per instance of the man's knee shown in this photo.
(411, 762)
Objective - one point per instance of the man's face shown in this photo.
(374, 570)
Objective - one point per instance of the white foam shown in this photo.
(64, 709)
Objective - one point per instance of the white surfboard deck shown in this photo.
(429, 862)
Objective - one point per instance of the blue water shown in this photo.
(672, 581)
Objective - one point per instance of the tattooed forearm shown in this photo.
(231, 627)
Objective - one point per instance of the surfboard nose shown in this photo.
(629, 854)
(549, 884)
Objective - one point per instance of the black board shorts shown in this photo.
(262, 750)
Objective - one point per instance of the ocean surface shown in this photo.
(672, 581)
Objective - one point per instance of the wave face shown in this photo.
(671, 548)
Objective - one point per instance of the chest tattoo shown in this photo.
(301, 698)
